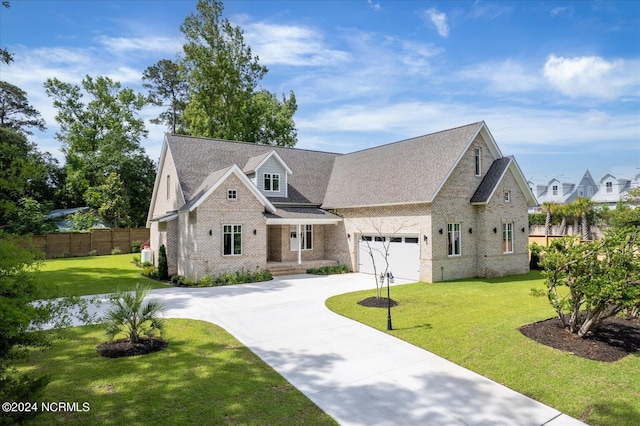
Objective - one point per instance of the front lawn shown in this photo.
(79, 276)
(474, 323)
(205, 376)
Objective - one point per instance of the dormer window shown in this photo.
(609, 187)
(272, 182)
(554, 188)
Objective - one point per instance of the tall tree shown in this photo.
(5, 55)
(101, 136)
(223, 77)
(167, 85)
(15, 111)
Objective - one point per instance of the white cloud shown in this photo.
(439, 19)
(291, 45)
(154, 44)
(374, 5)
(506, 76)
(556, 11)
(592, 76)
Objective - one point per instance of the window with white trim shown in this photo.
(609, 186)
(554, 189)
(454, 247)
(232, 194)
(507, 196)
(232, 240)
(168, 187)
(478, 158)
(507, 237)
(271, 182)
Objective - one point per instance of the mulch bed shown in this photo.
(121, 348)
(614, 339)
(374, 302)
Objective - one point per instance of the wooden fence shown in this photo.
(98, 241)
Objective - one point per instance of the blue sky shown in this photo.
(558, 83)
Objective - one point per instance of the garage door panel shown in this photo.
(404, 257)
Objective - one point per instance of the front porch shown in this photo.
(294, 268)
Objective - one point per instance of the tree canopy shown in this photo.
(101, 136)
(223, 75)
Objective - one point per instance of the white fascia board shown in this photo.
(522, 183)
(245, 180)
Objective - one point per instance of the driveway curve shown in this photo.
(358, 375)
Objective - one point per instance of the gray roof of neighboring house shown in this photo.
(491, 180)
(196, 158)
(409, 171)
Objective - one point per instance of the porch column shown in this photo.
(299, 245)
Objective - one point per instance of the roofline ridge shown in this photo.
(253, 143)
(415, 137)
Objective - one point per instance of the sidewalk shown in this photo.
(358, 375)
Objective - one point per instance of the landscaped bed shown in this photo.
(476, 324)
(204, 376)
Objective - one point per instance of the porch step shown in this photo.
(280, 269)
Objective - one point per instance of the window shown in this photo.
(411, 240)
(609, 186)
(580, 191)
(307, 238)
(272, 182)
(367, 238)
(168, 187)
(478, 153)
(232, 194)
(453, 239)
(507, 237)
(554, 188)
(589, 191)
(507, 196)
(232, 240)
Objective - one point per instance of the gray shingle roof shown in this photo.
(409, 171)
(196, 158)
(491, 180)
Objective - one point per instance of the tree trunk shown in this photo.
(586, 230)
(593, 319)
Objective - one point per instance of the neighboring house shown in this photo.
(613, 187)
(448, 204)
(62, 218)
(559, 192)
(609, 190)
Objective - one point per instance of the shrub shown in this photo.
(137, 260)
(163, 266)
(242, 276)
(207, 281)
(601, 277)
(116, 251)
(175, 279)
(150, 272)
(329, 270)
(135, 246)
(93, 252)
(146, 263)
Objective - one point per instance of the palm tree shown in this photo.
(130, 314)
(583, 210)
(548, 207)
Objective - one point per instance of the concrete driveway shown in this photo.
(358, 375)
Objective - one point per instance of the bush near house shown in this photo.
(239, 277)
(329, 270)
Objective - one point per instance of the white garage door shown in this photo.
(404, 255)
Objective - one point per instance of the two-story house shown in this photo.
(446, 205)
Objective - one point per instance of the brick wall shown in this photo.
(200, 248)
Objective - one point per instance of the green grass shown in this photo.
(93, 275)
(205, 376)
(474, 323)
